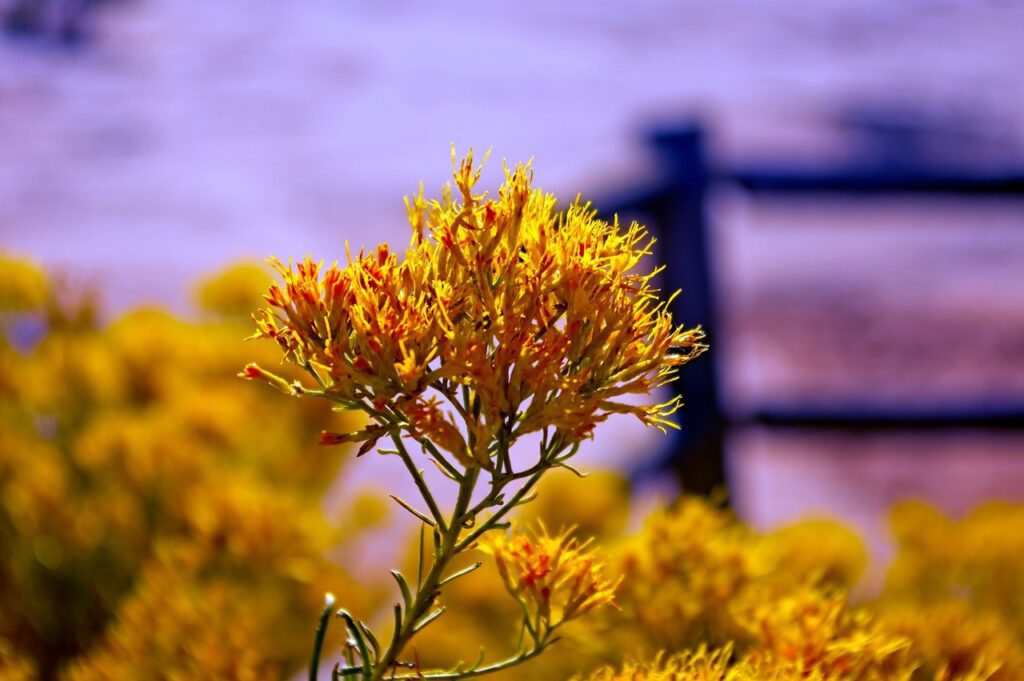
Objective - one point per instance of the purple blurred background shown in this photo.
(146, 142)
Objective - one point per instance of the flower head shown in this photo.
(526, 318)
(555, 577)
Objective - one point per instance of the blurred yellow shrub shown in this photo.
(692, 576)
(234, 292)
(956, 588)
(979, 558)
(705, 597)
(719, 665)
(951, 610)
(23, 285)
(158, 517)
(819, 550)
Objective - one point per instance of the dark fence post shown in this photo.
(698, 458)
(675, 206)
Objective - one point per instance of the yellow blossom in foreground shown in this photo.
(718, 665)
(952, 643)
(815, 630)
(697, 576)
(524, 318)
(955, 589)
(698, 665)
(555, 577)
(703, 664)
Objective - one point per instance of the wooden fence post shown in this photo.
(698, 458)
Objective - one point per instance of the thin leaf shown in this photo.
(367, 446)
(419, 563)
(461, 666)
(372, 639)
(562, 464)
(398, 626)
(357, 635)
(460, 573)
(321, 631)
(569, 454)
(444, 471)
(405, 504)
(527, 499)
(428, 619)
(404, 587)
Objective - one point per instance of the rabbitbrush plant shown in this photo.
(504, 318)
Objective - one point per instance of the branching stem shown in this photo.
(421, 484)
(427, 591)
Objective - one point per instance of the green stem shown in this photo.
(480, 671)
(501, 512)
(427, 591)
(448, 545)
(321, 631)
(421, 484)
(451, 397)
(440, 458)
(500, 481)
(357, 636)
(497, 485)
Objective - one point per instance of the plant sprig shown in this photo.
(505, 317)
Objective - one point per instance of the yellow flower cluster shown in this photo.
(818, 550)
(950, 642)
(980, 556)
(815, 632)
(698, 665)
(697, 576)
(542, 317)
(956, 590)
(233, 292)
(697, 579)
(718, 665)
(227, 599)
(683, 571)
(555, 578)
(150, 503)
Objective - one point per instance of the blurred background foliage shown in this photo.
(161, 519)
